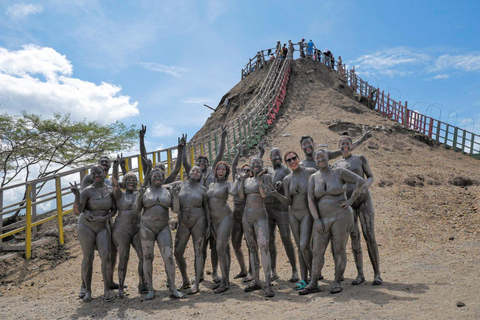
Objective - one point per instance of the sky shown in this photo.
(158, 62)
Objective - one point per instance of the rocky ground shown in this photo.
(426, 201)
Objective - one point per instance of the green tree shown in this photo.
(53, 144)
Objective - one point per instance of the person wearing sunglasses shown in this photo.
(295, 195)
(278, 216)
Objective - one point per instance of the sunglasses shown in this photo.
(246, 170)
(291, 159)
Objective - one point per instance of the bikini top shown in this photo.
(251, 186)
(333, 186)
(216, 191)
(299, 182)
(190, 197)
(103, 202)
(162, 198)
(126, 203)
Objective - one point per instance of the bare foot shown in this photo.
(377, 280)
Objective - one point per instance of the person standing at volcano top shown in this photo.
(308, 146)
(310, 47)
(362, 209)
(301, 45)
(206, 179)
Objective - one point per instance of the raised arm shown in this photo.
(337, 153)
(261, 149)
(262, 183)
(143, 150)
(221, 148)
(367, 172)
(187, 166)
(181, 148)
(235, 160)
(117, 192)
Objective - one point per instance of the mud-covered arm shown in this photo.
(207, 213)
(337, 153)
(143, 150)
(261, 182)
(137, 205)
(241, 185)
(221, 148)
(261, 149)
(235, 160)
(286, 198)
(312, 206)
(352, 178)
(77, 203)
(187, 166)
(117, 192)
(367, 172)
(178, 164)
(174, 191)
(87, 180)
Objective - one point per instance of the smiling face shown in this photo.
(307, 146)
(292, 161)
(104, 162)
(256, 165)
(195, 173)
(345, 146)
(130, 182)
(156, 179)
(276, 157)
(321, 158)
(221, 171)
(202, 162)
(97, 174)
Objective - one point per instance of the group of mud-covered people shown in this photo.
(316, 202)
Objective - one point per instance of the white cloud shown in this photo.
(194, 100)
(21, 83)
(21, 10)
(158, 67)
(162, 130)
(440, 77)
(467, 62)
(215, 8)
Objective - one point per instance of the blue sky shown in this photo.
(158, 62)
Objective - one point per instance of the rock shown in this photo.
(460, 304)
(451, 238)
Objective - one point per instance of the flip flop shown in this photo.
(294, 279)
(253, 287)
(269, 293)
(335, 290)
(300, 285)
(247, 279)
(308, 290)
(274, 277)
(358, 280)
(377, 281)
(220, 290)
(240, 275)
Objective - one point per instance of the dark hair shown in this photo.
(95, 167)
(153, 171)
(305, 137)
(274, 149)
(287, 153)
(129, 175)
(321, 150)
(202, 156)
(227, 168)
(346, 135)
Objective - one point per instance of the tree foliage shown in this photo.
(56, 143)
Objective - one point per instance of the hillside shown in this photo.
(426, 201)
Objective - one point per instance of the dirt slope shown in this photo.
(427, 229)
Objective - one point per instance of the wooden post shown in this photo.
(140, 168)
(446, 136)
(1, 218)
(34, 209)
(455, 137)
(169, 161)
(58, 190)
(28, 222)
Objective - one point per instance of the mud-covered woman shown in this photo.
(154, 201)
(333, 217)
(193, 219)
(255, 224)
(295, 187)
(221, 220)
(96, 205)
(125, 231)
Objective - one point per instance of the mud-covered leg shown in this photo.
(320, 243)
(261, 231)
(367, 219)
(104, 246)
(284, 230)
(272, 248)
(198, 235)
(181, 239)
(147, 237)
(122, 242)
(237, 233)
(137, 246)
(86, 238)
(306, 227)
(164, 241)
(357, 251)
(223, 236)
(295, 227)
(251, 239)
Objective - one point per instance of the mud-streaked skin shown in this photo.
(125, 231)
(295, 195)
(155, 200)
(333, 217)
(190, 201)
(255, 222)
(96, 206)
(363, 211)
(278, 216)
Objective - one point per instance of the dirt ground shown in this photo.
(426, 199)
